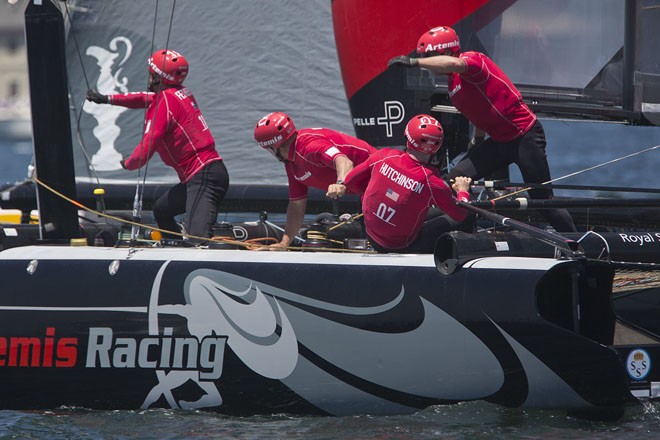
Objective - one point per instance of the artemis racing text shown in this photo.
(270, 142)
(158, 352)
(105, 350)
(31, 351)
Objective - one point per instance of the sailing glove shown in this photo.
(95, 96)
(404, 61)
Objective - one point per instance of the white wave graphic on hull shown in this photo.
(546, 388)
(440, 359)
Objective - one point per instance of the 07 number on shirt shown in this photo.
(385, 213)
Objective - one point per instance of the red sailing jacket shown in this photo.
(311, 158)
(397, 194)
(488, 98)
(174, 128)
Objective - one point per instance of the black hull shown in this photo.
(248, 333)
(242, 333)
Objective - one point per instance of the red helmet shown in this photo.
(437, 40)
(273, 130)
(424, 134)
(171, 66)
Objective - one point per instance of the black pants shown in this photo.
(199, 198)
(528, 152)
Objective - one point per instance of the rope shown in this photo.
(581, 171)
(79, 112)
(353, 217)
(139, 188)
(250, 244)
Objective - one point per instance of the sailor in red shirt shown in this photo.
(406, 203)
(480, 90)
(313, 157)
(175, 128)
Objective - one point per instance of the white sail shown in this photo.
(247, 58)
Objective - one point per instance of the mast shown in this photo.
(53, 154)
(629, 53)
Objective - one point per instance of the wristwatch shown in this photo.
(340, 181)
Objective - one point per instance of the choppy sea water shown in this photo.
(473, 420)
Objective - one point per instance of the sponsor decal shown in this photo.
(441, 47)
(270, 142)
(332, 151)
(364, 122)
(393, 195)
(305, 176)
(638, 364)
(640, 239)
(394, 111)
(109, 82)
(105, 350)
(455, 90)
(394, 114)
(240, 233)
(161, 72)
(38, 351)
(183, 93)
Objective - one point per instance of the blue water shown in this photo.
(15, 156)
(573, 149)
(577, 147)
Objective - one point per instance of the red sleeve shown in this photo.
(322, 152)
(154, 134)
(444, 198)
(475, 67)
(132, 100)
(357, 179)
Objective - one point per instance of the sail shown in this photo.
(584, 59)
(247, 58)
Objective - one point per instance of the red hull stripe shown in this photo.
(370, 32)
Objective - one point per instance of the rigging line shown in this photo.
(582, 171)
(139, 186)
(90, 166)
(78, 113)
(140, 189)
(151, 51)
(246, 245)
(111, 217)
(139, 194)
(167, 43)
(75, 41)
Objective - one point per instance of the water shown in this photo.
(15, 156)
(572, 148)
(473, 420)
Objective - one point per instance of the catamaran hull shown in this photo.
(251, 332)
